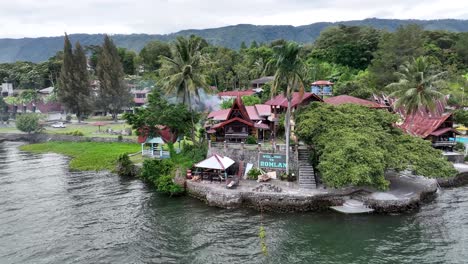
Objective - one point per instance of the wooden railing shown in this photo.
(262, 147)
(444, 143)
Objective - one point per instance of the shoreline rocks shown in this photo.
(413, 192)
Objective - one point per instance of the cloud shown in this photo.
(32, 18)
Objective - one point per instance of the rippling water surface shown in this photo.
(51, 215)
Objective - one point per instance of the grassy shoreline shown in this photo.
(92, 156)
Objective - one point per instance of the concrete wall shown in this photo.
(250, 153)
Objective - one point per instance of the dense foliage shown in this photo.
(125, 166)
(28, 123)
(113, 94)
(26, 49)
(160, 112)
(355, 145)
(161, 174)
(74, 91)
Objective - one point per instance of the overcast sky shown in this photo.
(33, 18)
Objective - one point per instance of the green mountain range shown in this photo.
(40, 49)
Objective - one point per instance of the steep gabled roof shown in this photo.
(281, 101)
(346, 99)
(238, 106)
(232, 120)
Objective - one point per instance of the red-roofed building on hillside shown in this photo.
(239, 122)
(234, 94)
(280, 103)
(438, 129)
(346, 99)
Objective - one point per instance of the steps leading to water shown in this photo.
(306, 171)
(352, 206)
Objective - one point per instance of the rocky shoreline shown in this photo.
(406, 194)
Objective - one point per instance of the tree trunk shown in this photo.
(288, 132)
(191, 113)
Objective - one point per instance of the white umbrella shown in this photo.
(215, 162)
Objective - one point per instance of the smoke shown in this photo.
(207, 102)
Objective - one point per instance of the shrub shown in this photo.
(459, 146)
(254, 173)
(75, 133)
(125, 166)
(160, 174)
(68, 118)
(166, 185)
(120, 138)
(153, 169)
(250, 140)
(195, 152)
(28, 123)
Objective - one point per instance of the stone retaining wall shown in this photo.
(38, 138)
(460, 180)
(300, 202)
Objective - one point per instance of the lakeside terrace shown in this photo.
(406, 193)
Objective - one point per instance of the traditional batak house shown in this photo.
(239, 122)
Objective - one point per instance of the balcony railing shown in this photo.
(443, 143)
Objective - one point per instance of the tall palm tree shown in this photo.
(182, 73)
(288, 71)
(417, 87)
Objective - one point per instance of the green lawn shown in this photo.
(86, 155)
(87, 129)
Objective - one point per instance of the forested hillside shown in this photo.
(40, 49)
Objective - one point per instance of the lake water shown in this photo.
(49, 215)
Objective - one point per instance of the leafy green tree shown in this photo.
(289, 68)
(355, 145)
(248, 100)
(183, 73)
(127, 58)
(417, 86)
(114, 94)
(28, 123)
(460, 116)
(159, 112)
(74, 90)
(394, 49)
(351, 46)
(151, 53)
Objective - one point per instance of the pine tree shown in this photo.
(74, 91)
(113, 92)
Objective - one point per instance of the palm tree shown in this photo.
(417, 87)
(288, 70)
(182, 74)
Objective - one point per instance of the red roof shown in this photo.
(280, 100)
(263, 110)
(219, 115)
(346, 99)
(424, 125)
(139, 100)
(442, 131)
(230, 121)
(256, 112)
(239, 105)
(262, 126)
(322, 83)
(253, 114)
(236, 93)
